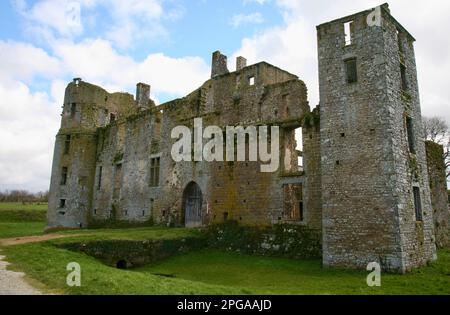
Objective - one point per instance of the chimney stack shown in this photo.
(142, 94)
(219, 64)
(241, 63)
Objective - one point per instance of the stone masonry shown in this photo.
(363, 181)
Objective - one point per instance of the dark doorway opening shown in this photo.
(192, 205)
(121, 264)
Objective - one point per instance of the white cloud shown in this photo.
(135, 20)
(252, 18)
(28, 125)
(130, 21)
(293, 45)
(62, 17)
(98, 62)
(23, 61)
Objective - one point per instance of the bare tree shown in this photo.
(436, 129)
(447, 156)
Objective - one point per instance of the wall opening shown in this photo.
(154, 171)
(351, 70)
(192, 205)
(62, 203)
(73, 110)
(403, 77)
(399, 41)
(251, 80)
(293, 150)
(285, 111)
(67, 145)
(348, 29)
(410, 135)
(121, 264)
(293, 202)
(99, 182)
(64, 172)
(417, 203)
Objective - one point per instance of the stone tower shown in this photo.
(376, 198)
(86, 108)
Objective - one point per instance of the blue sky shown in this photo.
(168, 44)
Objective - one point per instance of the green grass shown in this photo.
(126, 234)
(17, 229)
(17, 219)
(215, 272)
(264, 275)
(47, 264)
(20, 206)
(201, 272)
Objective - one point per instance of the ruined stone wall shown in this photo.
(416, 236)
(312, 167)
(439, 194)
(231, 190)
(368, 211)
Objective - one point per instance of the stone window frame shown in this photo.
(410, 136)
(99, 177)
(251, 80)
(346, 70)
(155, 171)
(67, 143)
(73, 110)
(417, 203)
(403, 77)
(64, 175)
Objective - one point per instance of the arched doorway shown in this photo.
(192, 205)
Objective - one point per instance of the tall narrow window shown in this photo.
(62, 203)
(351, 70)
(99, 183)
(67, 145)
(301, 215)
(410, 134)
(154, 172)
(73, 110)
(64, 176)
(399, 35)
(403, 75)
(112, 117)
(417, 203)
(348, 29)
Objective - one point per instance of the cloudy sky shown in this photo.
(168, 44)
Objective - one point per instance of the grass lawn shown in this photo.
(17, 229)
(214, 272)
(264, 275)
(47, 264)
(200, 272)
(20, 206)
(17, 219)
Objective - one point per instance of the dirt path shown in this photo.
(13, 283)
(30, 239)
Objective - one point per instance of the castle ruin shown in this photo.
(363, 180)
